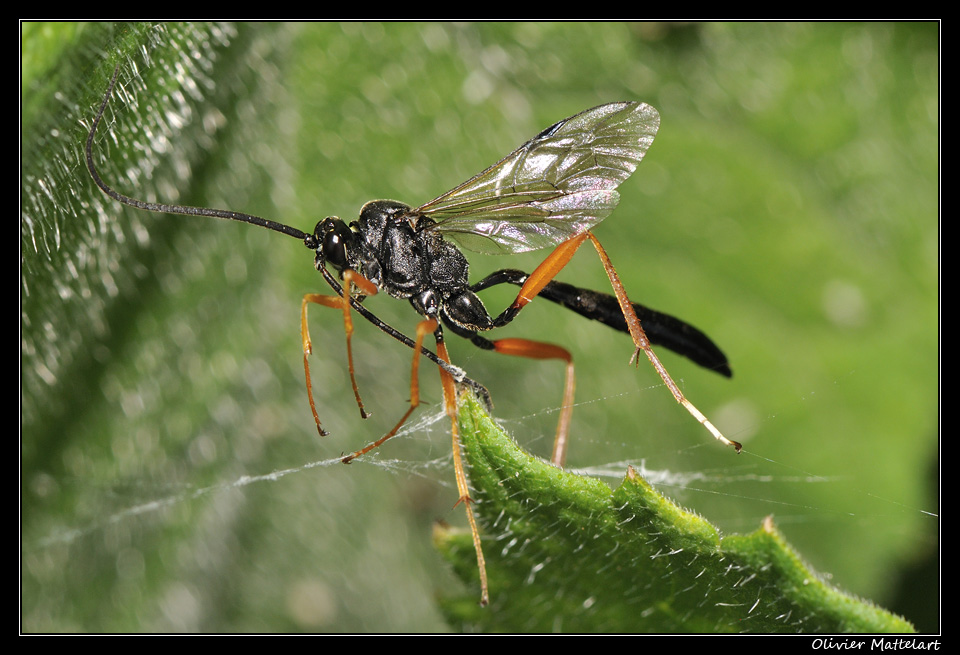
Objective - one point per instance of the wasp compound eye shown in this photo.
(333, 236)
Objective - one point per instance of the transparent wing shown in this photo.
(556, 185)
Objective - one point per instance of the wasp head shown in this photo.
(331, 239)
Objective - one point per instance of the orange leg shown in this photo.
(423, 328)
(553, 264)
(336, 302)
(642, 343)
(450, 406)
(546, 271)
(539, 350)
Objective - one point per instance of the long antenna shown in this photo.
(308, 239)
(174, 209)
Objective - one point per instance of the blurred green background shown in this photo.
(788, 207)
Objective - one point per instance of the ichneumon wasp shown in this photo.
(549, 192)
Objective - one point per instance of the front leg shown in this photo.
(335, 302)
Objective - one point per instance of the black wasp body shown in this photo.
(399, 254)
(549, 192)
(396, 249)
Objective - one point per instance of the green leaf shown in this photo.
(565, 553)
